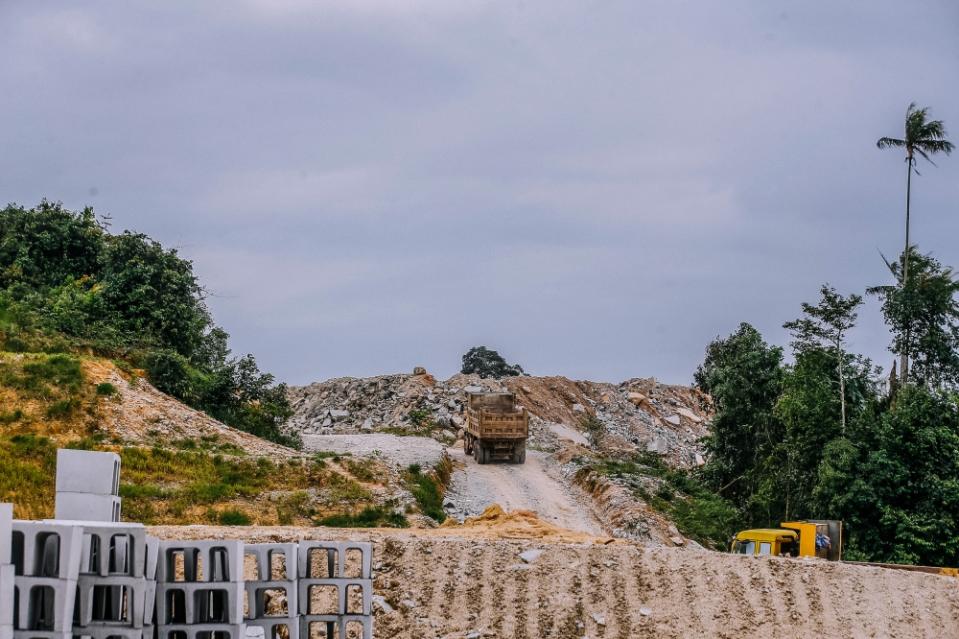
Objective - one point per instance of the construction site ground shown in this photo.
(480, 579)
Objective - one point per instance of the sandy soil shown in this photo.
(449, 583)
(525, 486)
(401, 451)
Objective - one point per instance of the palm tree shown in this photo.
(925, 138)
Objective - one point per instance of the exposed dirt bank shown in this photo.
(453, 582)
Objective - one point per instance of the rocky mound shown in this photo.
(638, 414)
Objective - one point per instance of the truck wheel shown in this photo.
(478, 452)
(482, 453)
(467, 445)
(519, 454)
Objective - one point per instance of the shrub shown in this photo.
(106, 389)
(369, 517)
(233, 517)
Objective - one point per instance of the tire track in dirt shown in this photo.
(437, 585)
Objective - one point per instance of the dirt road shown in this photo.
(516, 487)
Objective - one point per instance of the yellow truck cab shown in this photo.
(793, 539)
(765, 541)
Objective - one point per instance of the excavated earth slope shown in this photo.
(471, 582)
(638, 414)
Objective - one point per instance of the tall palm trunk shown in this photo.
(904, 356)
(842, 392)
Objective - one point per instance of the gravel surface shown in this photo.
(401, 451)
(516, 487)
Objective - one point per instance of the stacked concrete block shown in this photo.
(116, 586)
(200, 589)
(6, 572)
(46, 558)
(335, 588)
(88, 486)
(273, 587)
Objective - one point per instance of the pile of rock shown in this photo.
(638, 414)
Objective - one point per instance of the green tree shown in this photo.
(921, 137)
(810, 410)
(153, 293)
(484, 362)
(825, 325)
(923, 315)
(744, 375)
(897, 482)
(47, 246)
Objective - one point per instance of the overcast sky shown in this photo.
(595, 189)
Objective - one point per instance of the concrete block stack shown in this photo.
(87, 575)
(6, 571)
(46, 558)
(88, 486)
(116, 587)
(200, 590)
(336, 588)
(271, 594)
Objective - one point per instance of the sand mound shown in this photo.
(496, 523)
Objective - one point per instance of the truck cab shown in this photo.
(809, 538)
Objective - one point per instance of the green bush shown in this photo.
(427, 491)
(369, 517)
(106, 389)
(233, 517)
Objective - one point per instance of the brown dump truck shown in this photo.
(495, 428)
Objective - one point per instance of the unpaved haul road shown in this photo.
(516, 487)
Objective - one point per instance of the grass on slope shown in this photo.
(699, 513)
(164, 486)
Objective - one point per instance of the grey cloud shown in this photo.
(363, 186)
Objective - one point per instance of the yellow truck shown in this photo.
(820, 538)
(495, 428)
(809, 538)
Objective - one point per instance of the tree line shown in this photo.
(825, 436)
(68, 283)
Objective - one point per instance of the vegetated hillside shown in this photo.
(93, 326)
(179, 466)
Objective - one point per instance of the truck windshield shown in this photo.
(746, 547)
(765, 548)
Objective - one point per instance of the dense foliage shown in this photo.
(821, 437)
(484, 362)
(67, 283)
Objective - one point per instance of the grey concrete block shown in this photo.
(6, 595)
(343, 559)
(6, 632)
(272, 625)
(40, 634)
(185, 603)
(106, 632)
(338, 624)
(113, 601)
(266, 555)
(203, 561)
(84, 471)
(42, 549)
(237, 631)
(45, 604)
(70, 506)
(256, 592)
(6, 529)
(343, 588)
(114, 549)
